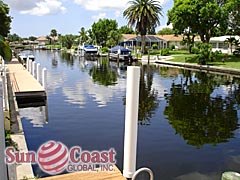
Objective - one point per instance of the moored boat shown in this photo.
(120, 52)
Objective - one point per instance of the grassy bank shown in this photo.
(230, 62)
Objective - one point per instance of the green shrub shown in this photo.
(195, 50)
(104, 50)
(172, 46)
(155, 46)
(164, 51)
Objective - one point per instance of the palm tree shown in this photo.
(143, 14)
(230, 41)
(83, 35)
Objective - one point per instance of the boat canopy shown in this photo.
(89, 46)
(122, 49)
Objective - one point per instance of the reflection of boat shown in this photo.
(87, 50)
(120, 52)
(24, 55)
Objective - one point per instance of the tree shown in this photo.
(193, 17)
(165, 31)
(13, 37)
(53, 35)
(68, 40)
(113, 38)
(125, 30)
(83, 35)
(32, 38)
(233, 11)
(5, 19)
(231, 41)
(5, 50)
(143, 14)
(101, 29)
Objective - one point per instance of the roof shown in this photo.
(43, 38)
(149, 38)
(223, 38)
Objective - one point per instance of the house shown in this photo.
(221, 44)
(163, 41)
(42, 41)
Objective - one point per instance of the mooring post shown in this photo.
(34, 64)
(27, 64)
(38, 72)
(3, 167)
(131, 121)
(44, 78)
(30, 66)
(4, 86)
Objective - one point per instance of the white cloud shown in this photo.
(37, 7)
(22, 5)
(98, 5)
(99, 16)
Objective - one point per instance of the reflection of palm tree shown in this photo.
(67, 58)
(148, 101)
(196, 116)
(103, 73)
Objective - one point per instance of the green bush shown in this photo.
(104, 50)
(155, 46)
(172, 46)
(165, 51)
(195, 50)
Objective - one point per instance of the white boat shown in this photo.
(24, 55)
(87, 50)
(119, 52)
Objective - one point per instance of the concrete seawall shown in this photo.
(204, 68)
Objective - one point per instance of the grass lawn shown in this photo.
(181, 56)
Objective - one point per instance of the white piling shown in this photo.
(34, 66)
(3, 168)
(38, 72)
(30, 66)
(131, 121)
(27, 64)
(44, 78)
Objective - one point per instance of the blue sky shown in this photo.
(38, 17)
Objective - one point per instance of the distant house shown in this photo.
(163, 41)
(42, 40)
(220, 44)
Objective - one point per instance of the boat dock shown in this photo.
(100, 175)
(24, 85)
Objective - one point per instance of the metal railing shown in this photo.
(149, 171)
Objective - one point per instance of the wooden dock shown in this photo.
(100, 175)
(24, 85)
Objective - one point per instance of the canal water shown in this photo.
(188, 121)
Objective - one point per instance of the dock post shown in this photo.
(38, 72)
(30, 66)
(4, 86)
(3, 167)
(131, 121)
(34, 64)
(44, 78)
(27, 64)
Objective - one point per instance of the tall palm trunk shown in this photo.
(143, 37)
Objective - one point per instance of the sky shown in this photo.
(38, 17)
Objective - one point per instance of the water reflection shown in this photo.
(103, 74)
(38, 116)
(148, 96)
(196, 115)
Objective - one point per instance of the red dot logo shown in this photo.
(53, 157)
